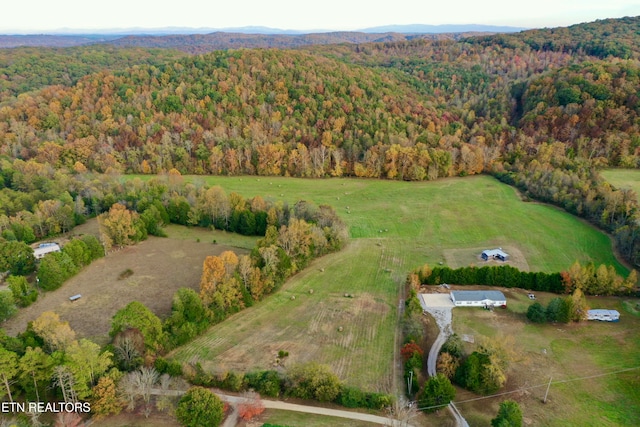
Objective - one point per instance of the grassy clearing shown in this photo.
(299, 419)
(429, 217)
(623, 178)
(128, 419)
(582, 359)
(203, 235)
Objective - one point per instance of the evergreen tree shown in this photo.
(436, 394)
(509, 415)
(199, 407)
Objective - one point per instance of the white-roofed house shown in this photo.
(44, 249)
(478, 299)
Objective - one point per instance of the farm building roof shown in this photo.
(602, 312)
(45, 248)
(478, 295)
(494, 252)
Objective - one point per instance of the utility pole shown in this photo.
(548, 387)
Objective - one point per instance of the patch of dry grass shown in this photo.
(159, 267)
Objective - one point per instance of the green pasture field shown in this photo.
(395, 227)
(623, 178)
(426, 218)
(594, 366)
(209, 236)
(300, 419)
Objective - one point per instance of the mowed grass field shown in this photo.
(427, 218)
(623, 178)
(395, 227)
(594, 366)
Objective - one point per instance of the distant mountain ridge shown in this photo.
(443, 29)
(251, 37)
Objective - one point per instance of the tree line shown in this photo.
(592, 280)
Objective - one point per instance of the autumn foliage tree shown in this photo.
(220, 287)
(105, 399)
(251, 406)
(56, 333)
(119, 226)
(409, 349)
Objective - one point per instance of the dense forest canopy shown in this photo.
(24, 69)
(540, 109)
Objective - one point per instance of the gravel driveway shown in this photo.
(440, 306)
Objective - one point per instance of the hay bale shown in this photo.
(293, 297)
(340, 329)
(310, 291)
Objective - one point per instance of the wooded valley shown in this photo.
(543, 110)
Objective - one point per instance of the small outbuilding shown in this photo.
(478, 299)
(603, 315)
(496, 254)
(45, 248)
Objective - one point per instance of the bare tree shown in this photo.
(402, 412)
(137, 385)
(63, 378)
(128, 348)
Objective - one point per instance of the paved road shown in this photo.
(276, 404)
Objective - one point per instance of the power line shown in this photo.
(491, 396)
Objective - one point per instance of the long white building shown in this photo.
(478, 299)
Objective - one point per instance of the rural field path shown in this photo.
(232, 420)
(440, 307)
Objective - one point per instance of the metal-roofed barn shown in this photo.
(478, 299)
(498, 254)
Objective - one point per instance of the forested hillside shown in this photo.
(204, 43)
(540, 109)
(24, 69)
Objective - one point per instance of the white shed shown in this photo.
(603, 315)
(478, 299)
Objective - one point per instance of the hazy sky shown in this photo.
(40, 15)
